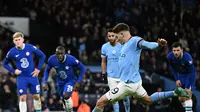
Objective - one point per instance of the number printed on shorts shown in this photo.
(24, 62)
(115, 90)
(38, 88)
(69, 88)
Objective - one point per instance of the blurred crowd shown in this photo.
(82, 28)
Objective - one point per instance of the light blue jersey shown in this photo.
(111, 53)
(130, 58)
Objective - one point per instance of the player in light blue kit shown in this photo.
(130, 80)
(110, 53)
(26, 72)
(66, 77)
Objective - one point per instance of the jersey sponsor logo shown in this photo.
(27, 53)
(24, 62)
(62, 75)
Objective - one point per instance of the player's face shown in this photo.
(60, 55)
(177, 51)
(112, 37)
(120, 36)
(18, 41)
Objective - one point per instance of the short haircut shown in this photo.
(121, 27)
(177, 44)
(18, 34)
(109, 30)
(60, 48)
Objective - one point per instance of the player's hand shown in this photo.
(104, 78)
(178, 83)
(17, 72)
(162, 42)
(36, 72)
(45, 87)
(77, 86)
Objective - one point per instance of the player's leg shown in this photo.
(112, 83)
(113, 95)
(66, 96)
(187, 103)
(22, 91)
(126, 102)
(35, 91)
(148, 100)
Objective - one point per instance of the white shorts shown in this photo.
(112, 82)
(126, 89)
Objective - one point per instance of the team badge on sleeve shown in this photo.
(77, 61)
(35, 47)
(190, 62)
(7, 54)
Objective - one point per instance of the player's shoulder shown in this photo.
(186, 54)
(170, 55)
(135, 39)
(30, 46)
(52, 57)
(69, 56)
(105, 45)
(11, 51)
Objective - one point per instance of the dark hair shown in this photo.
(109, 30)
(60, 48)
(177, 44)
(121, 27)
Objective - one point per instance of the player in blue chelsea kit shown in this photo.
(182, 66)
(130, 80)
(110, 53)
(26, 72)
(66, 77)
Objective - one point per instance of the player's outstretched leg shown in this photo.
(126, 102)
(37, 103)
(116, 107)
(162, 95)
(100, 104)
(22, 103)
(67, 102)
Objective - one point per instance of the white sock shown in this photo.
(68, 105)
(187, 105)
(37, 104)
(22, 106)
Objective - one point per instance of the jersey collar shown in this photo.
(22, 47)
(65, 57)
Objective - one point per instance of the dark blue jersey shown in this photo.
(24, 59)
(183, 69)
(64, 70)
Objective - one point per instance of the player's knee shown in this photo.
(148, 101)
(66, 96)
(102, 102)
(36, 97)
(23, 98)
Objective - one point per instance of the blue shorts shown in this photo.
(186, 82)
(66, 88)
(28, 82)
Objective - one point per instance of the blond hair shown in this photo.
(18, 34)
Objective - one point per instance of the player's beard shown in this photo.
(113, 42)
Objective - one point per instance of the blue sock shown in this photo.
(96, 110)
(126, 102)
(116, 107)
(38, 110)
(161, 95)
